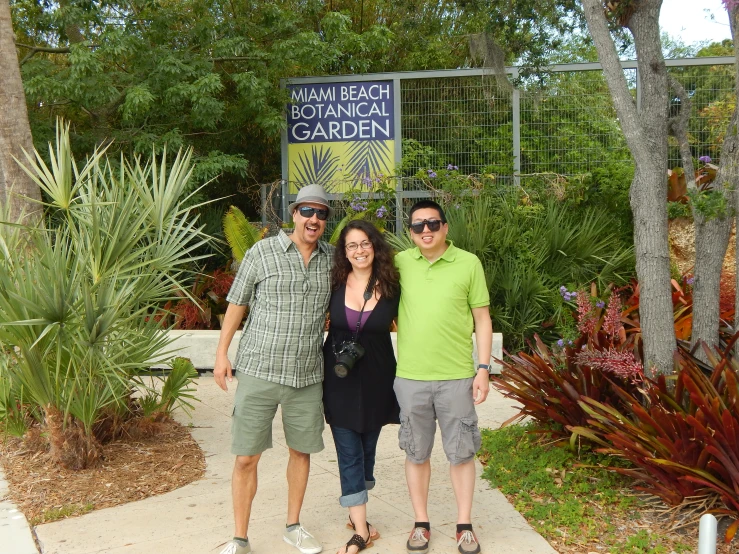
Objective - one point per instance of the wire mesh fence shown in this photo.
(560, 128)
(463, 121)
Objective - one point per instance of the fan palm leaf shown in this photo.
(368, 158)
(318, 168)
(76, 297)
(240, 234)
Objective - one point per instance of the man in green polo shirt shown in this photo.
(443, 299)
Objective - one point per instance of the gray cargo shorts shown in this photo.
(422, 403)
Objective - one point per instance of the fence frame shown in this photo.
(398, 77)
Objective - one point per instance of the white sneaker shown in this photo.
(302, 540)
(234, 548)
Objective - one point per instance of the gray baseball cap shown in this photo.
(313, 194)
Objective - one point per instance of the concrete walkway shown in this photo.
(197, 519)
(14, 530)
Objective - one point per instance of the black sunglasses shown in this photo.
(307, 212)
(433, 224)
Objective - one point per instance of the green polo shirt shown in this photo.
(435, 321)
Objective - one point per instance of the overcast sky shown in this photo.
(690, 20)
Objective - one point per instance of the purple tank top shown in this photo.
(353, 315)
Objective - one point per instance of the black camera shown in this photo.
(346, 356)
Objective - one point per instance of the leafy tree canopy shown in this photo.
(206, 73)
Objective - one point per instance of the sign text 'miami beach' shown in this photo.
(335, 112)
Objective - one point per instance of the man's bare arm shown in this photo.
(484, 339)
(222, 370)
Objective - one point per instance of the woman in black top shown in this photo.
(365, 290)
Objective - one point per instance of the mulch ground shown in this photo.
(682, 247)
(131, 469)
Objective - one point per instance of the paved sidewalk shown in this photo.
(196, 519)
(15, 533)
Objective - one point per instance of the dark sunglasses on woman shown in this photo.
(307, 212)
(433, 224)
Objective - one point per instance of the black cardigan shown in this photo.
(363, 400)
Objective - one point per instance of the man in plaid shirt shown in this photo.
(285, 282)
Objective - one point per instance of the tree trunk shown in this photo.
(648, 193)
(15, 132)
(728, 172)
(69, 445)
(645, 131)
(711, 240)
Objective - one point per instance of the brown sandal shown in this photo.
(373, 536)
(358, 541)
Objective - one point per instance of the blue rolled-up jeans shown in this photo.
(356, 457)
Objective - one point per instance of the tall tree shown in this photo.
(206, 73)
(15, 132)
(727, 176)
(646, 130)
(712, 221)
(711, 203)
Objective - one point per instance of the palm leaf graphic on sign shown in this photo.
(317, 168)
(368, 158)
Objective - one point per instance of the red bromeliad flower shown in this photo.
(612, 323)
(586, 320)
(620, 363)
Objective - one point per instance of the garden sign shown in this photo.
(340, 134)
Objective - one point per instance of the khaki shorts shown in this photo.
(255, 405)
(422, 404)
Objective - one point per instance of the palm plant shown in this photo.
(240, 234)
(76, 297)
(529, 251)
(579, 246)
(400, 242)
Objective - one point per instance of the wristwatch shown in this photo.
(486, 367)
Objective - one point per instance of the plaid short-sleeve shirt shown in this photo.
(283, 336)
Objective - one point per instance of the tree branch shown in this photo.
(234, 59)
(42, 48)
(36, 49)
(622, 99)
(678, 126)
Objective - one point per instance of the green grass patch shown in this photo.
(566, 504)
(65, 511)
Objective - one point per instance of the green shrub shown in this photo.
(678, 209)
(77, 295)
(528, 250)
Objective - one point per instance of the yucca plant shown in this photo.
(76, 297)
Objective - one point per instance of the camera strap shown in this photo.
(367, 295)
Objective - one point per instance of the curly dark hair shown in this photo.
(384, 270)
